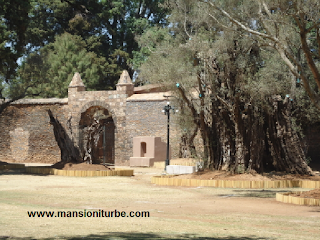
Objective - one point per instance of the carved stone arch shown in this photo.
(104, 148)
(96, 103)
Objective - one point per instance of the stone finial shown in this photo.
(76, 81)
(125, 78)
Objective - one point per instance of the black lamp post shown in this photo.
(166, 111)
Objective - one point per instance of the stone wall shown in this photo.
(80, 100)
(26, 134)
(115, 103)
(144, 117)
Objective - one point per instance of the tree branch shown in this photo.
(5, 103)
(316, 25)
(261, 16)
(312, 95)
(185, 25)
(284, 54)
(318, 41)
(247, 29)
(224, 26)
(80, 8)
(266, 8)
(307, 52)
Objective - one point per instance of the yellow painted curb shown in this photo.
(12, 166)
(286, 198)
(169, 181)
(78, 173)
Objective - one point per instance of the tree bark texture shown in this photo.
(241, 134)
(257, 140)
(69, 151)
(92, 134)
(187, 148)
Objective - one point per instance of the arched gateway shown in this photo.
(103, 150)
(124, 113)
(106, 106)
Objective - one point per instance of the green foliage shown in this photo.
(260, 72)
(148, 42)
(55, 65)
(101, 41)
(3, 90)
(271, 79)
(227, 81)
(104, 30)
(13, 25)
(69, 55)
(107, 27)
(32, 74)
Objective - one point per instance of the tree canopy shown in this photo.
(13, 27)
(231, 88)
(107, 27)
(289, 27)
(104, 30)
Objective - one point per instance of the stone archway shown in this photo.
(102, 104)
(101, 142)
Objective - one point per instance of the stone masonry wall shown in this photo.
(26, 134)
(145, 118)
(115, 103)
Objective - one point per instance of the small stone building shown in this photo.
(26, 134)
(148, 150)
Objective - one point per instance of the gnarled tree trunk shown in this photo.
(284, 144)
(92, 134)
(260, 140)
(69, 151)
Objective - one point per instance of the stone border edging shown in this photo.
(169, 181)
(78, 173)
(286, 198)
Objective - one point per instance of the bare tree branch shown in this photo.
(185, 25)
(307, 51)
(247, 29)
(24, 94)
(261, 17)
(224, 26)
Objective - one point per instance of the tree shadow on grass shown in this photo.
(15, 172)
(11, 168)
(316, 209)
(254, 193)
(144, 236)
(21, 171)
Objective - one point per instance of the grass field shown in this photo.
(175, 212)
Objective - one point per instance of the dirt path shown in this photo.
(175, 212)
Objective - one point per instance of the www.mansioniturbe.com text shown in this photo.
(89, 213)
